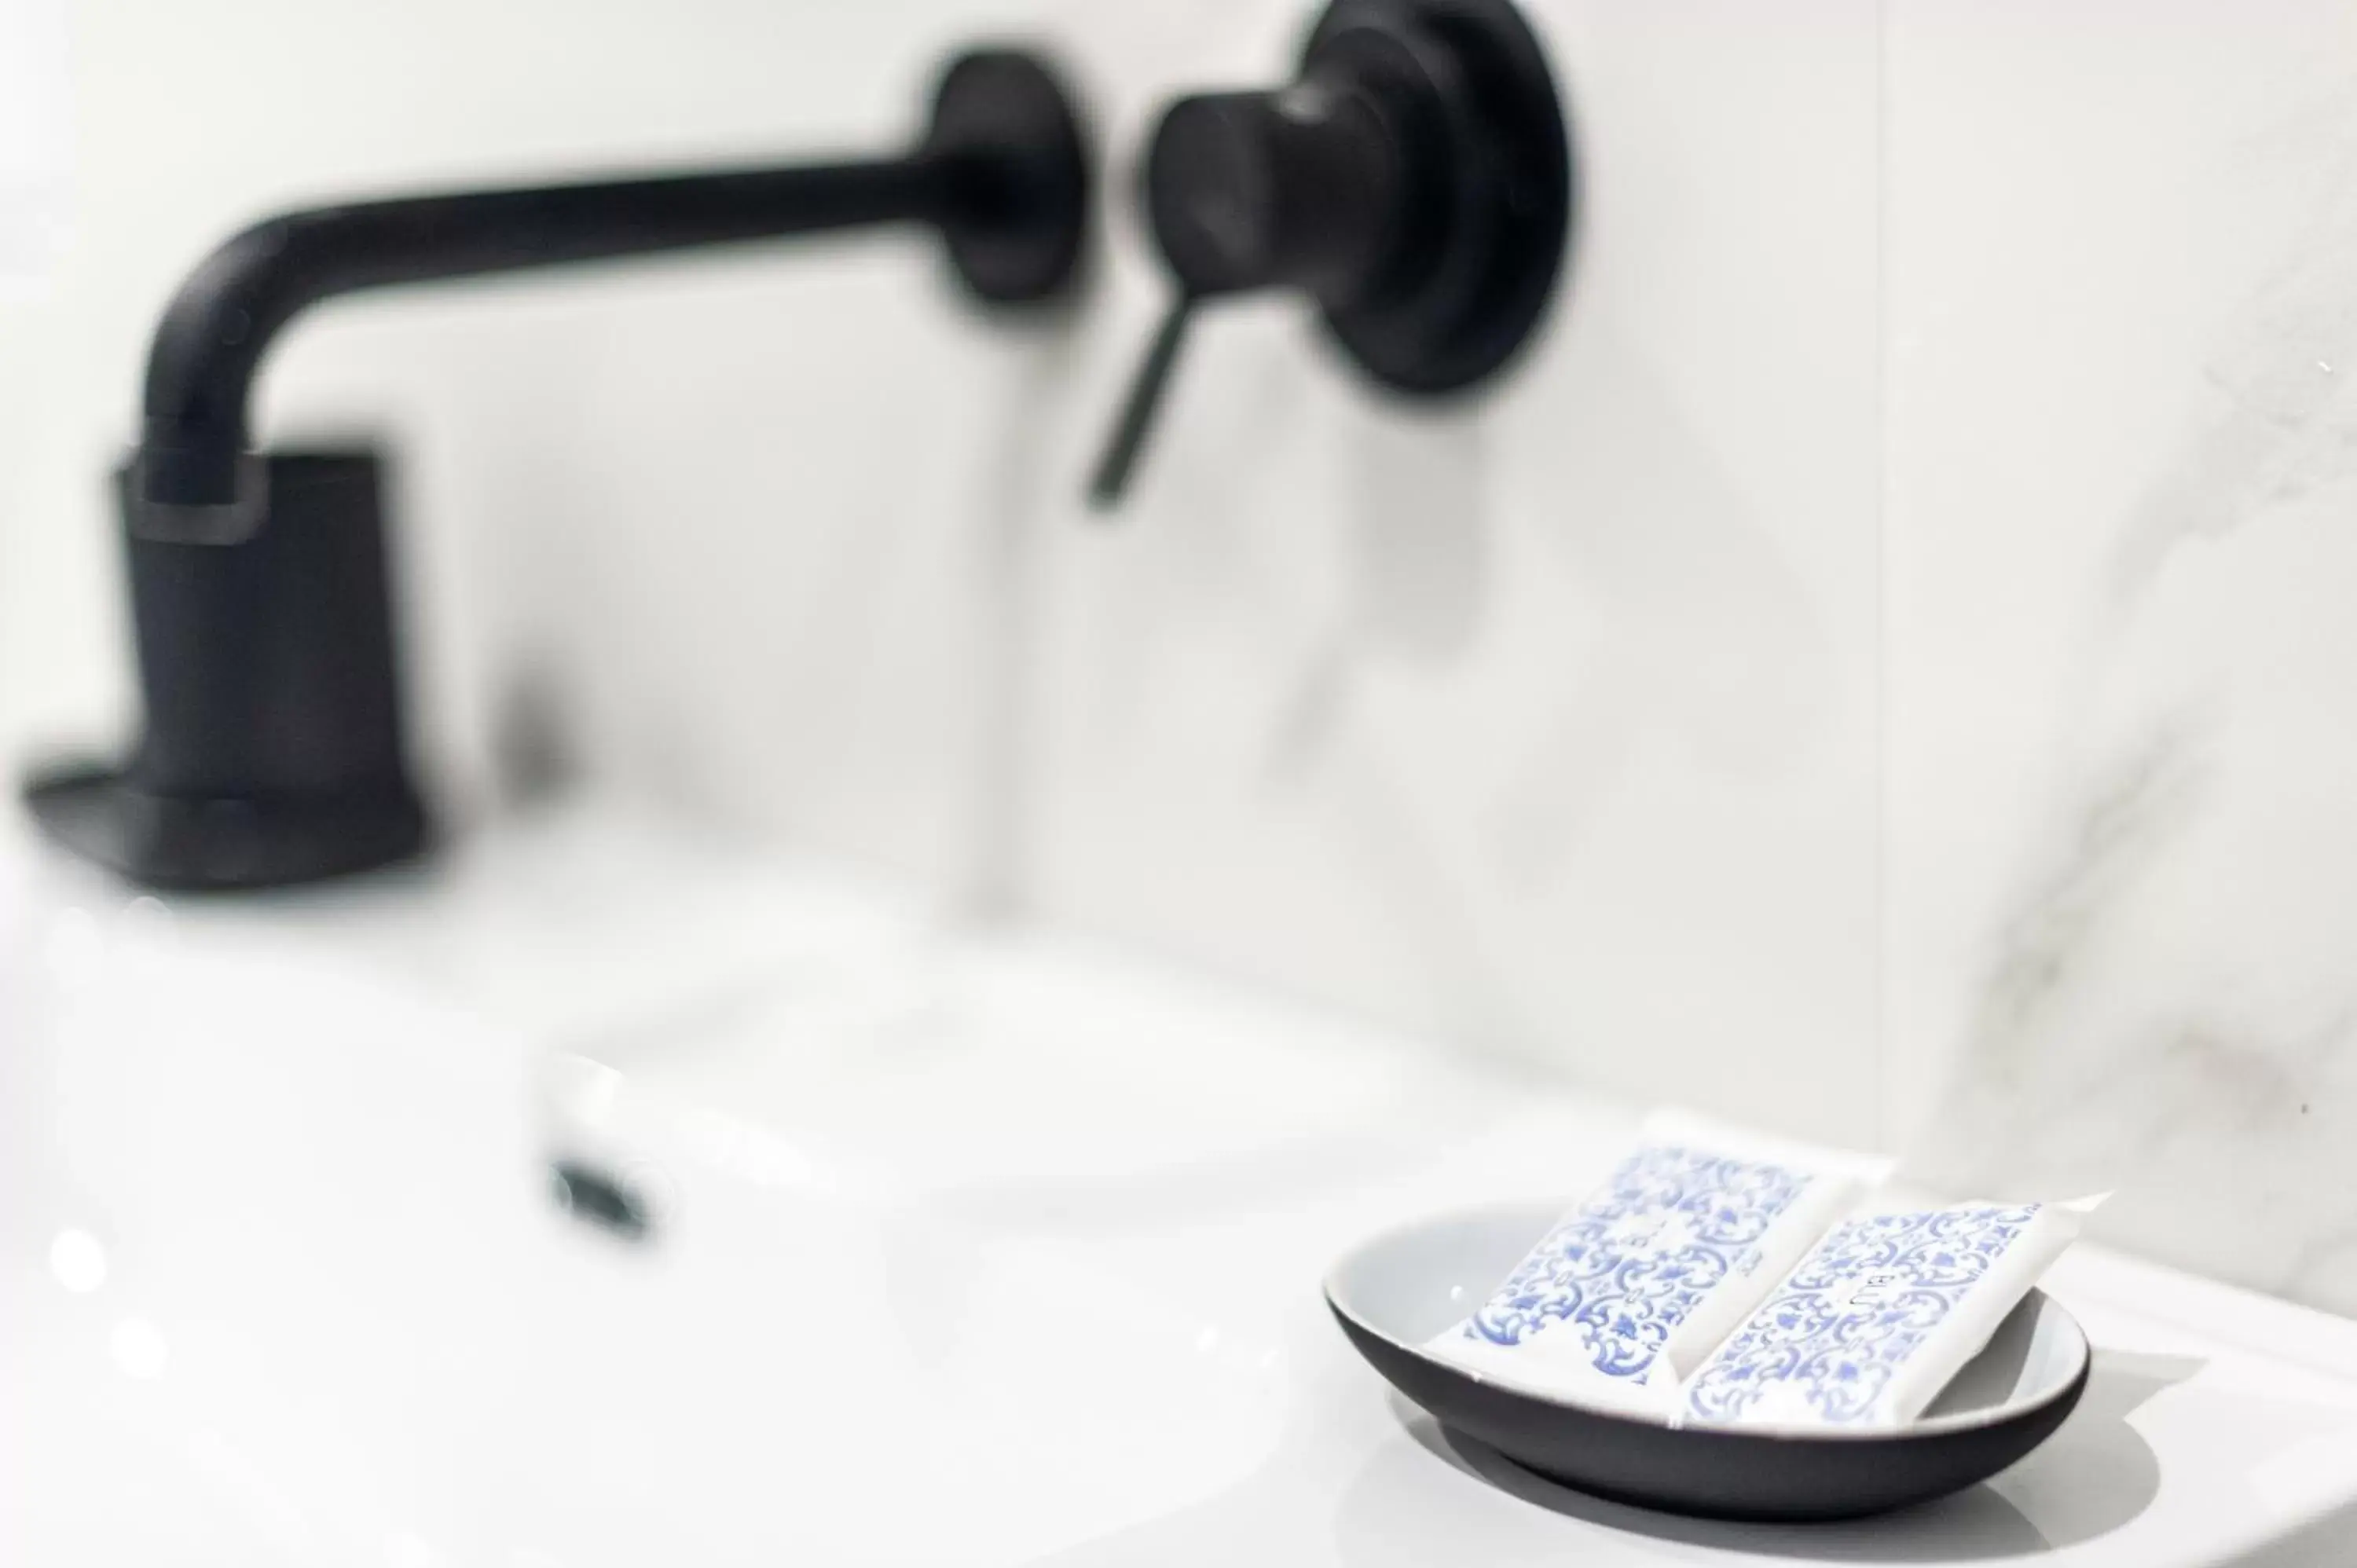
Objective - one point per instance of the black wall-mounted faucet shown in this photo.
(272, 751)
(1415, 181)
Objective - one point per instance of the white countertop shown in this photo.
(969, 1248)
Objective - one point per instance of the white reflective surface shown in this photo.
(963, 1250)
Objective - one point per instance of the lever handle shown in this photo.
(1413, 181)
(1304, 188)
(1138, 410)
(1308, 186)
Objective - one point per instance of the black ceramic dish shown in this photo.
(1396, 1292)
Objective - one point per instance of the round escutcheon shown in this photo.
(1019, 210)
(1483, 292)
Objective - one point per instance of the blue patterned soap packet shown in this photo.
(1635, 1286)
(1632, 1262)
(1879, 1317)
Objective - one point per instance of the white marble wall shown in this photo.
(1547, 726)
(1873, 670)
(2121, 295)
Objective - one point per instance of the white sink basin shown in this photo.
(280, 1225)
(961, 1249)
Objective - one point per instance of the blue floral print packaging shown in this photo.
(1631, 1290)
(1880, 1317)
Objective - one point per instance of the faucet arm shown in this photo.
(999, 173)
(213, 335)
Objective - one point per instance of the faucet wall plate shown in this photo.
(1511, 211)
(1014, 230)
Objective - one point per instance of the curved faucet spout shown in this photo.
(999, 173)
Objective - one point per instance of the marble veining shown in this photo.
(2123, 821)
